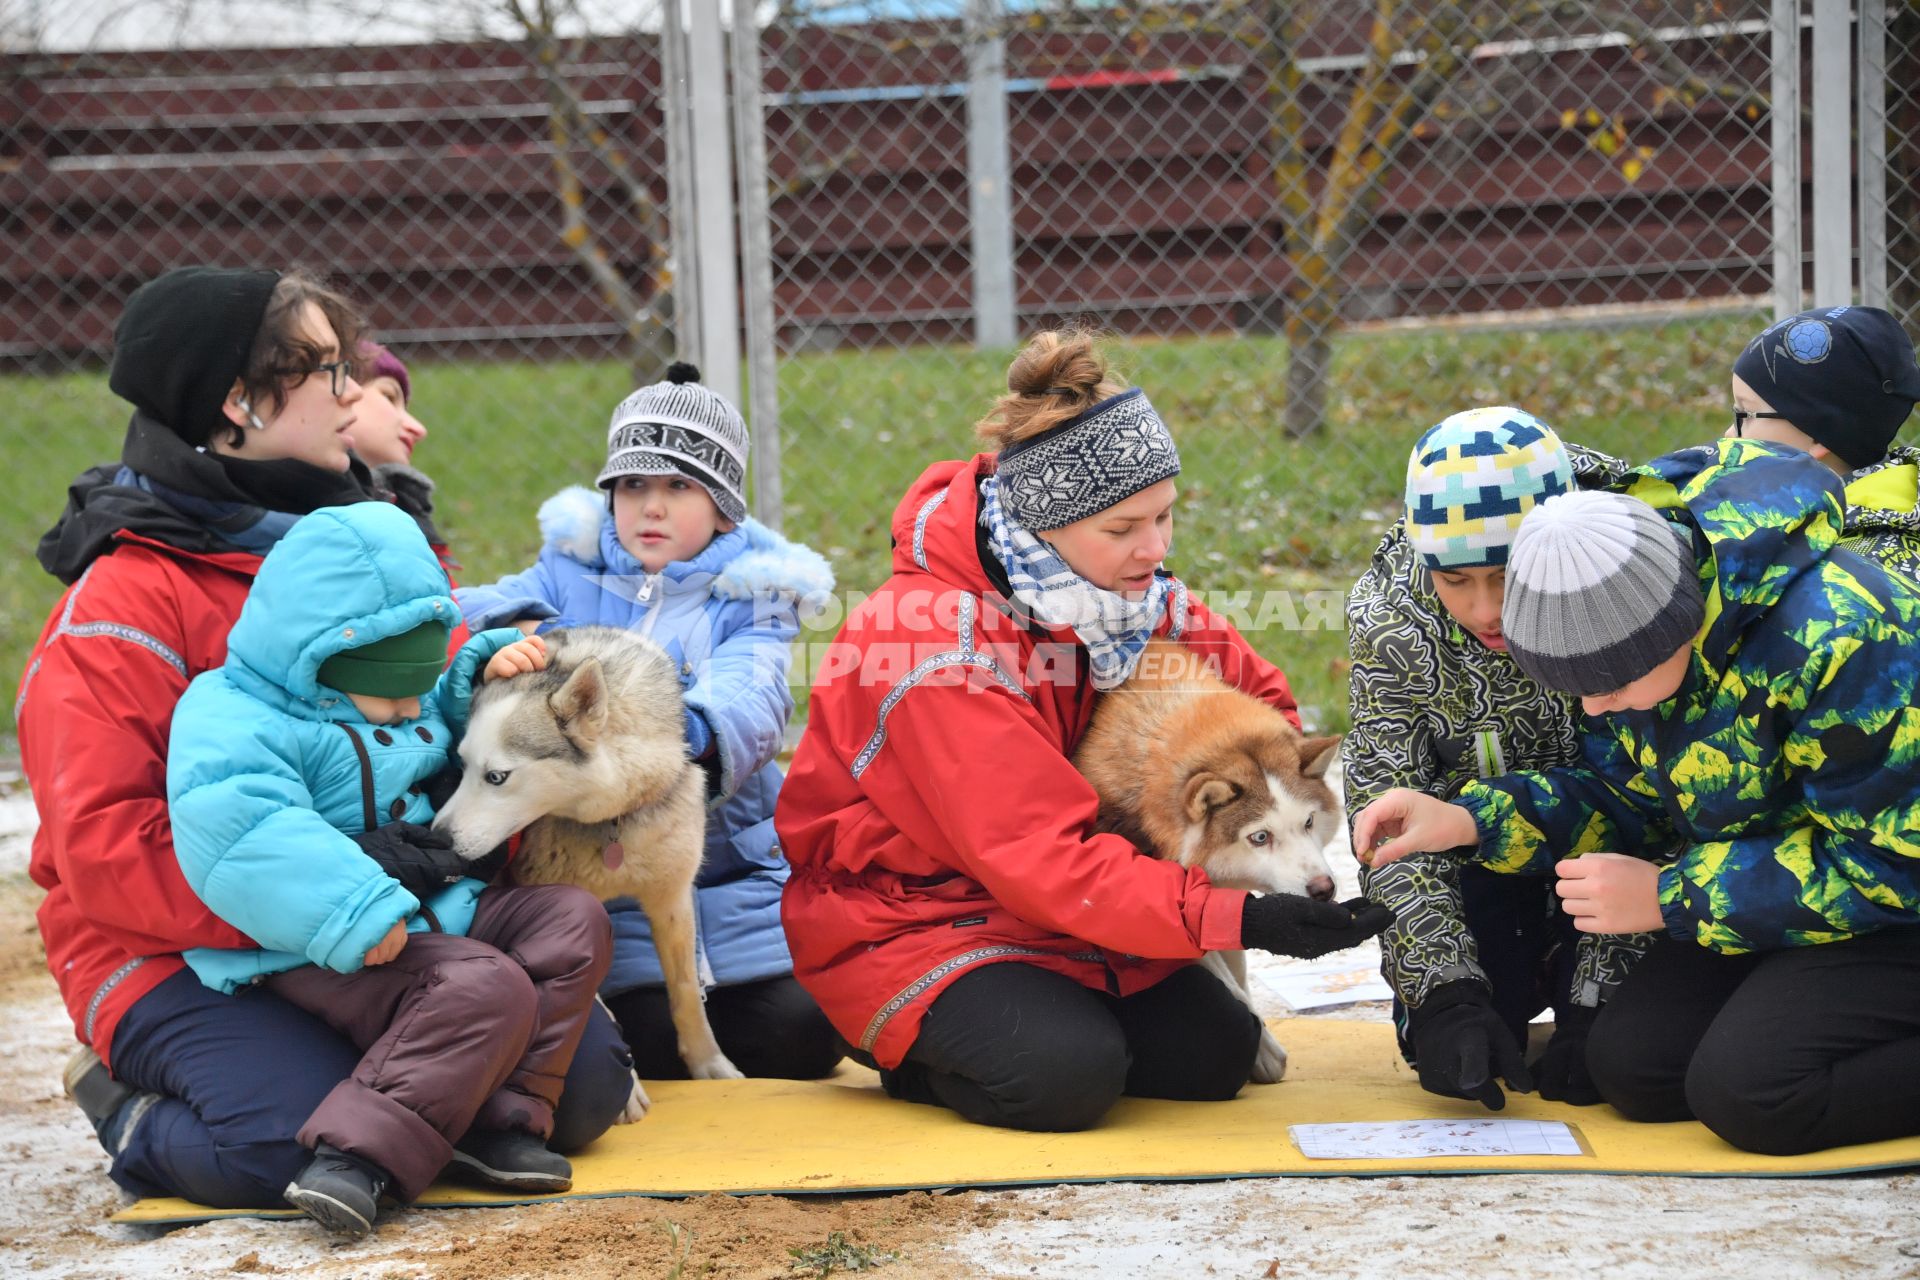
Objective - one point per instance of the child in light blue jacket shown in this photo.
(297, 780)
(669, 551)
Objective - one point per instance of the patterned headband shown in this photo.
(1086, 464)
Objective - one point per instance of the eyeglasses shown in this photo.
(1740, 417)
(338, 372)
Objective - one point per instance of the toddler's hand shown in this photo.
(517, 659)
(389, 946)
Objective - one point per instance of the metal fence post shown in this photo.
(1785, 143)
(1832, 154)
(713, 185)
(1873, 152)
(682, 207)
(989, 201)
(756, 255)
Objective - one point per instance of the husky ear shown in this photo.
(581, 703)
(1317, 756)
(1205, 793)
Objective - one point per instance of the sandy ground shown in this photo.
(55, 1199)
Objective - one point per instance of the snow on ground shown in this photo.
(55, 1198)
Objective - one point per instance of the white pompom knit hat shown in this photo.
(1600, 591)
(678, 427)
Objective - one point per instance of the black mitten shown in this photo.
(1561, 1069)
(420, 858)
(1288, 924)
(1460, 1045)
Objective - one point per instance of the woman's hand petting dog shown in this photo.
(517, 659)
(1288, 924)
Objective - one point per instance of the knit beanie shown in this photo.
(1600, 591)
(402, 666)
(382, 363)
(1473, 478)
(182, 341)
(1102, 455)
(1844, 375)
(678, 427)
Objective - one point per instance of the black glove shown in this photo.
(1460, 1045)
(1288, 924)
(420, 858)
(1561, 1068)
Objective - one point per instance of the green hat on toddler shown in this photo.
(402, 666)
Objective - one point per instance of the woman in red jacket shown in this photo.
(947, 907)
(244, 396)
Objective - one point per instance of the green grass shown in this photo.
(1257, 511)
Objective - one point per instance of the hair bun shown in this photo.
(681, 372)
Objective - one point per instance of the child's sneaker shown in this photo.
(339, 1191)
(511, 1159)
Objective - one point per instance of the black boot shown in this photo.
(339, 1191)
(510, 1159)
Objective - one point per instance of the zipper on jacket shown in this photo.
(648, 586)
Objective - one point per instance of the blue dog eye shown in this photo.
(496, 777)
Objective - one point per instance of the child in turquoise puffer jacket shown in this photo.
(667, 550)
(334, 709)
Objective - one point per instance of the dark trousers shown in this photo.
(239, 1075)
(1526, 945)
(1021, 1047)
(458, 1031)
(1782, 1052)
(772, 1029)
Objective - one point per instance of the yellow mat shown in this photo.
(757, 1136)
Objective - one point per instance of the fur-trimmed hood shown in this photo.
(752, 561)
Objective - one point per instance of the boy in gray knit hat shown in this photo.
(1747, 789)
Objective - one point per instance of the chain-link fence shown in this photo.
(1313, 229)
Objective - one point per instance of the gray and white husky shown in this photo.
(588, 758)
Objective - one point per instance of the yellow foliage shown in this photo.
(1632, 169)
(1569, 118)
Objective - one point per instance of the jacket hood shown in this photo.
(1885, 497)
(1761, 516)
(342, 578)
(751, 561)
(935, 527)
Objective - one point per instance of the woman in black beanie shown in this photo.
(244, 398)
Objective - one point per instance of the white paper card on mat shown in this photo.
(1413, 1139)
(1321, 985)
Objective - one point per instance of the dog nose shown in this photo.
(1320, 888)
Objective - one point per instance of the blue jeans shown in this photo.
(239, 1075)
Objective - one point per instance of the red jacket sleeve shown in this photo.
(1213, 637)
(972, 777)
(93, 739)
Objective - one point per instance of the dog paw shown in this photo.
(1270, 1063)
(715, 1068)
(637, 1104)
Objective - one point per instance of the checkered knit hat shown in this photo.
(679, 427)
(1473, 478)
(1600, 591)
